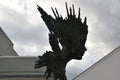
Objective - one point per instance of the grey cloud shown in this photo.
(103, 21)
(103, 31)
(105, 27)
(20, 30)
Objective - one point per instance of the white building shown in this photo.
(14, 67)
(6, 46)
(108, 68)
(20, 68)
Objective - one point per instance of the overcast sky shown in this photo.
(22, 23)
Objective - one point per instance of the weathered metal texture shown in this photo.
(71, 33)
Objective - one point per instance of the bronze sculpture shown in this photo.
(70, 33)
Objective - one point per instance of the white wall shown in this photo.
(20, 68)
(6, 46)
(107, 68)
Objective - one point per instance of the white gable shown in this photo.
(6, 46)
(20, 68)
(108, 68)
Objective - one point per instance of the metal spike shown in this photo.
(42, 12)
(39, 9)
(57, 12)
(53, 12)
(79, 14)
(85, 20)
(73, 9)
(70, 11)
(67, 9)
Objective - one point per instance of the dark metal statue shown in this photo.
(69, 33)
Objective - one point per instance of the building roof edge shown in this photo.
(98, 62)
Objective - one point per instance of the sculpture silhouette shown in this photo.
(70, 33)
